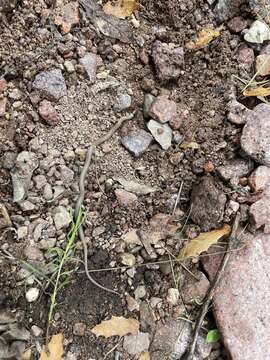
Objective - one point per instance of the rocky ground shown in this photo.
(195, 154)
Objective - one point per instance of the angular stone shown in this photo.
(163, 109)
(168, 61)
(255, 139)
(126, 198)
(68, 16)
(245, 57)
(51, 84)
(258, 32)
(194, 290)
(128, 259)
(89, 62)
(62, 218)
(48, 113)
(259, 180)
(137, 142)
(263, 64)
(226, 9)
(123, 102)
(173, 296)
(3, 105)
(161, 132)
(135, 344)
(260, 8)
(237, 112)
(260, 212)
(237, 24)
(235, 169)
(208, 204)
(242, 300)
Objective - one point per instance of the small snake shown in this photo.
(80, 199)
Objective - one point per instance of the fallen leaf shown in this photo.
(189, 145)
(258, 91)
(135, 187)
(116, 326)
(121, 8)
(55, 348)
(202, 242)
(204, 37)
(145, 356)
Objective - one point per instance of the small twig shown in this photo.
(177, 198)
(211, 291)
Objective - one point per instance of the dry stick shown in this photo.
(212, 289)
(80, 199)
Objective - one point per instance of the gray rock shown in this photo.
(147, 102)
(168, 61)
(235, 169)
(241, 302)
(194, 291)
(51, 84)
(27, 205)
(66, 174)
(40, 181)
(162, 133)
(46, 244)
(89, 62)
(123, 102)
(22, 232)
(255, 139)
(237, 112)
(8, 160)
(258, 32)
(26, 163)
(259, 180)
(47, 192)
(137, 343)
(137, 142)
(208, 204)
(140, 292)
(226, 9)
(62, 218)
(260, 212)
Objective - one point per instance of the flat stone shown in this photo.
(241, 302)
(135, 344)
(48, 113)
(163, 109)
(27, 205)
(3, 105)
(89, 63)
(172, 339)
(259, 180)
(51, 84)
(62, 218)
(237, 24)
(173, 296)
(208, 204)
(255, 139)
(66, 174)
(260, 212)
(168, 61)
(237, 112)
(32, 294)
(194, 291)
(258, 32)
(245, 57)
(128, 259)
(137, 142)
(126, 198)
(263, 64)
(235, 169)
(162, 133)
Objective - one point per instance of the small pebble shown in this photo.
(32, 294)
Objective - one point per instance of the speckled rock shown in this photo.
(89, 62)
(260, 212)
(237, 112)
(258, 32)
(51, 84)
(161, 132)
(48, 113)
(135, 344)
(137, 142)
(255, 139)
(259, 180)
(163, 109)
(235, 169)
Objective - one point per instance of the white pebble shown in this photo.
(32, 294)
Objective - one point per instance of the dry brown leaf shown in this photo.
(121, 9)
(204, 37)
(202, 242)
(55, 348)
(258, 91)
(189, 145)
(116, 326)
(145, 356)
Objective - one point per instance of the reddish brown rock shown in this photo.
(3, 104)
(67, 16)
(195, 290)
(168, 61)
(48, 113)
(260, 212)
(126, 198)
(237, 24)
(259, 180)
(263, 64)
(163, 109)
(245, 57)
(242, 300)
(3, 85)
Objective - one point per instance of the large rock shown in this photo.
(259, 180)
(168, 61)
(260, 212)
(242, 300)
(208, 203)
(255, 139)
(51, 84)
